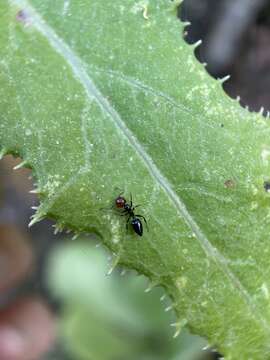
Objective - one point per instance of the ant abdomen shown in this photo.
(137, 226)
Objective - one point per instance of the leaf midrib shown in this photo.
(92, 92)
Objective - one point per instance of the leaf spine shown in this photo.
(197, 44)
(75, 236)
(186, 23)
(162, 298)
(150, 287)
(37, 217)
(145, 12)
(261, 110)
(179, 326)
(206, 347)
(113, 264)
(224, 79)
(57, 228)
(20, 165)
(35, 191)
(123, 272)
(169, 308)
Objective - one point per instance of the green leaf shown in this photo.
(112, 317)
(97, 96)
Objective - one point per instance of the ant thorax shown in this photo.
(128, 207)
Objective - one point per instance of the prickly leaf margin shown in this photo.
(97, 96)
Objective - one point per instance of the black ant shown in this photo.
(128, 210)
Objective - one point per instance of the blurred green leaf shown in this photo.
(124, 323)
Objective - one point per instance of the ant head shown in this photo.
(120, 202)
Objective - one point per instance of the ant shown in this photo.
(128, 210)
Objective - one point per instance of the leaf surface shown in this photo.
(97, 96)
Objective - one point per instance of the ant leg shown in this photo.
(130, 200)
(119, 189)
(127, 222)
(141, 217)
(107, 208)
(144, 219)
